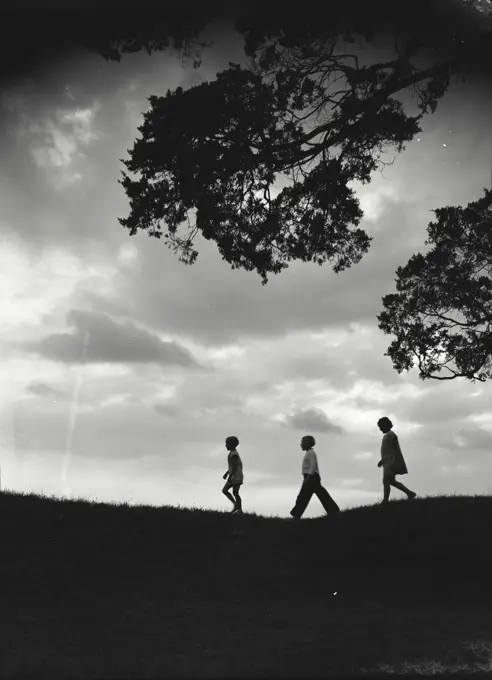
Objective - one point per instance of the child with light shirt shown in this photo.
(392, 460)
(234, 474)
(312, 482)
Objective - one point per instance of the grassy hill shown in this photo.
(100, 590)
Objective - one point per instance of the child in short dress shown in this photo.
(392, 460)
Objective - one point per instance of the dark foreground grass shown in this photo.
(96, 590)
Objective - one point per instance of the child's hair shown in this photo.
(310, 439)
(385, 420)
(234, 441)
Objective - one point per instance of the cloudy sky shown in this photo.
(124, 370)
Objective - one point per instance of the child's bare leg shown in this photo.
(229, 496)
(238, 503)
(402, 487)
(387, 490)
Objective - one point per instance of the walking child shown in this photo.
(312, 482)
(234, 474)
(392, 460)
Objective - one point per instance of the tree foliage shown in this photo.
(304, 112)
(441, 316)
(175, 26)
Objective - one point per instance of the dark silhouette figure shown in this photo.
(312, 482)
(234, 474)
(392, 460)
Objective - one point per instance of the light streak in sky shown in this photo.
(74, 408)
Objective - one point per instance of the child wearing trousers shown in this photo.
(312, 482)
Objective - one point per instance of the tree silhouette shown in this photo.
(305, 113)
(441, 315)
(175, 26)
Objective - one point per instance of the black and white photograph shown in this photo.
(246, 339)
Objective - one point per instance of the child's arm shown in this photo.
(233, 465)
(381, 462)
(226, 474)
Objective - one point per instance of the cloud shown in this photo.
(41, 389)
(474, 438)
(444, 402)
(99, 339)
(312, 419)
(56, 140)
(351, 482)
(53, 137)
(64, 130)
(304, 296)
(329, 366)
(167, 410)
